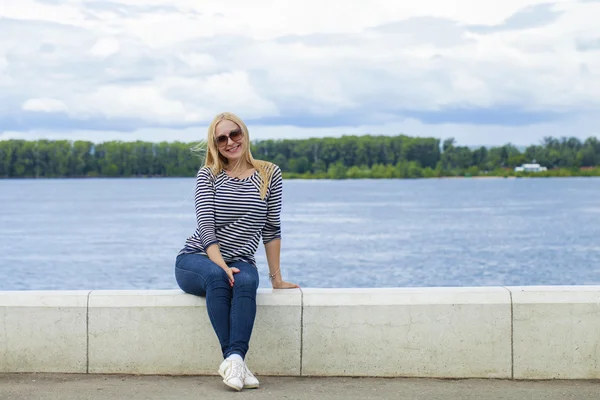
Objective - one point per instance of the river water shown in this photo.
(125, 233)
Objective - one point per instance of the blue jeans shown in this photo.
(231, 310)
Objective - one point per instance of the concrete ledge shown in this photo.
(169, 332)
(556, 332)
(481, 332)
(43, 331)
(425, 332)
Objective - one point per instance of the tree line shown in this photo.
(366, 156)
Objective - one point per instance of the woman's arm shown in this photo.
(272, 232)
(205, 217)
(214, 253)
(273, 251)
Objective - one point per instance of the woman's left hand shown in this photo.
(284, 285)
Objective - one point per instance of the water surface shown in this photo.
(125, 233)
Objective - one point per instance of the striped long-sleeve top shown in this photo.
(230, 212)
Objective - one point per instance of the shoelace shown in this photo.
(236, 369)
(247, 371)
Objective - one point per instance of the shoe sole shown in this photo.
(232, 386)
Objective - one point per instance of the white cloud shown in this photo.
(105, 47)
(131, 101)
(172, 100)
(162, 66)
(44, 105)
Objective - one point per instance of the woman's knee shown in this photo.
(217, 277)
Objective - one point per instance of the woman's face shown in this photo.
(230, 140)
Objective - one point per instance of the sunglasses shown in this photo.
(235, 135)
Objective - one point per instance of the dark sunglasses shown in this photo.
(235, 135)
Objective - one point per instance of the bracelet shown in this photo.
(271, 276)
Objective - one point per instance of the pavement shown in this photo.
(92, 387)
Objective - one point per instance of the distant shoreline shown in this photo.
(305, 178)
(348, 157)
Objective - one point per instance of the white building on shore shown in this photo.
(533, 167)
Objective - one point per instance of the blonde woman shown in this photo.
(238, 203)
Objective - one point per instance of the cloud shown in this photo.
(588, 44)
(105, 47)
(426, 31)
(44, 105)
(493, 116)
(133, 66)
(534, 16)
(93, 8)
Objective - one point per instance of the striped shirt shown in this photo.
(230, 212)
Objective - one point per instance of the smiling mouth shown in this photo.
(231, 150)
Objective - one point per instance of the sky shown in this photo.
(485, 72)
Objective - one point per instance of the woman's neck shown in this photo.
(238, 166)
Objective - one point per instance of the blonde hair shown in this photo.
(216, 162)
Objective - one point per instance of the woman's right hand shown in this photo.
(230, 272)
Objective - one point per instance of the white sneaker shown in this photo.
(233, 373)
(250, 381)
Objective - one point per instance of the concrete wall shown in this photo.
(483, 332)
(444, 332)
(43, 331)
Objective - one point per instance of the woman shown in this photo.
(238, 202)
